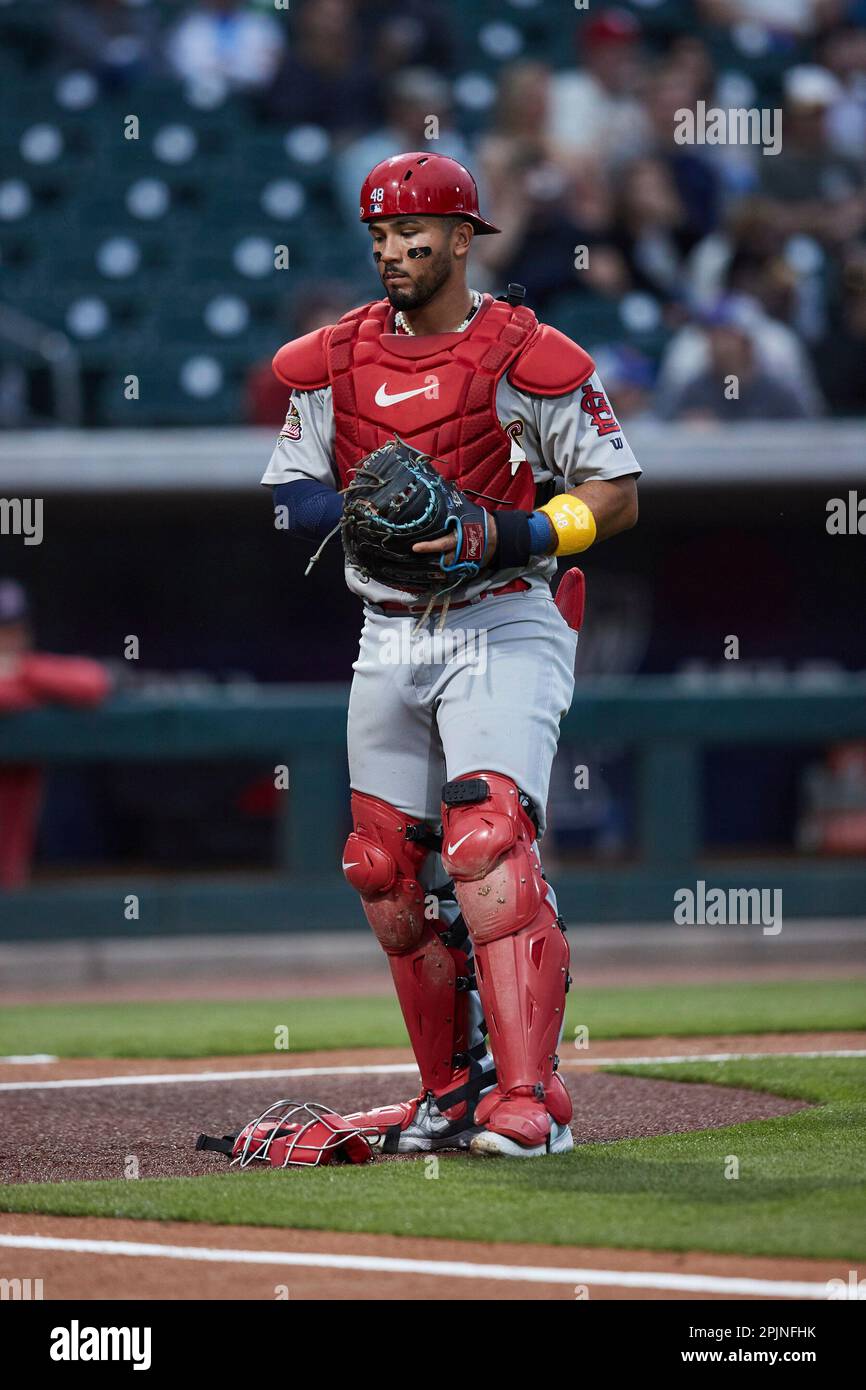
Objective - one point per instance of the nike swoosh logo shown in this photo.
(352, 865)
(453, 848)
(382, 398)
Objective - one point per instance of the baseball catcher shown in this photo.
(459, 446)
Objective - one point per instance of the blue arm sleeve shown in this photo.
(312, 509)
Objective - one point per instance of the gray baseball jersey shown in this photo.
(558, 437)
(483, 686)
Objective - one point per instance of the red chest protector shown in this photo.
(436, 391)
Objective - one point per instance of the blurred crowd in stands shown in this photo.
(702, 260)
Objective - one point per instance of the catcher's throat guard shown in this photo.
(292, 1133)
(397, 498)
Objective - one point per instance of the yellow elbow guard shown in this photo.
(572, 521)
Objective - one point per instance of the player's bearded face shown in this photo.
(411, 282)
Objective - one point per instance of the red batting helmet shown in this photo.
(428, 185)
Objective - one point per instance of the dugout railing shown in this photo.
(303, 728)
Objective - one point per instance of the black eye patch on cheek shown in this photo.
(377, 256)
(417, 251)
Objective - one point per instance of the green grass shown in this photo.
(200, 1028)
(226, 1027)
(801, 1189)
(818, 1079)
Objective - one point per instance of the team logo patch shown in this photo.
(596, 406)
(294, 426)
(514, 430)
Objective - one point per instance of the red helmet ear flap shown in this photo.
(294, 1133)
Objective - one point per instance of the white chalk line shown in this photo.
(704, 1057)
(202, 1077)
(29, 1059)
(446, 1269)
(380, 1069)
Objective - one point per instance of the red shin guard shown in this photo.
(430, 976)
(521, 954)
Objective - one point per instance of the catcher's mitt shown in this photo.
(397, 498)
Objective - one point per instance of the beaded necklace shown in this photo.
(402, 326)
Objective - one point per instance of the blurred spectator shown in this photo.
(517, 141)
(572, 158)
(710, 396)
(812, 188)
(737, 255)
(515, 162)
(841, 356)
(566, 242)
(415, 33)
(844, 55)
(728, 344)
(748, 256)
(628, 378)
(325, 78)
(226, 41)
(29, 680)
(652, 228)
(689, 57)
(675, 87)
(594, 109)
(789, 18)
(545, 210)
(266, 398)
(14, 406)
(414, 95)
(111, 38)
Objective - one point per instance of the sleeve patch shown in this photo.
(294, 426)
(595, 404)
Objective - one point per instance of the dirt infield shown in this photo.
(107, 1110)
(158, 1122)
(158, 1125)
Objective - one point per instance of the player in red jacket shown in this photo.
(29, 680)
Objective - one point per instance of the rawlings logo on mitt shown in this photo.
(396, 499)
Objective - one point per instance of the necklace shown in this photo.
(402, 326)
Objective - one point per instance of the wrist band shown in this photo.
(541, 534)
(513, 550)
(572, 521)
(522, 535)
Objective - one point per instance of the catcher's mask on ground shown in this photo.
(293, 1133)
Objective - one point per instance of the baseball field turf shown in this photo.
(800, 1189)
(221, 1027)
(793, 1185)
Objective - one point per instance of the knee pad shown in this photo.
(383, 864)
(488, 849)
